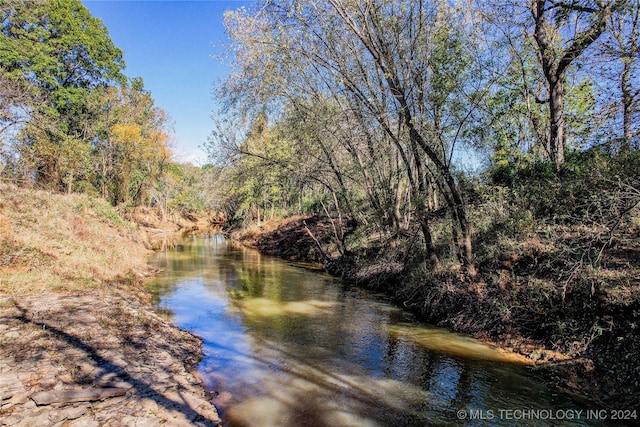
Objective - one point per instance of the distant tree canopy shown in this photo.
(70, 120)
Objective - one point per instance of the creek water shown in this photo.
(286, 345)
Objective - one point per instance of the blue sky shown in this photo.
(170, 44)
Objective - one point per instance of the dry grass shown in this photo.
(52, 242)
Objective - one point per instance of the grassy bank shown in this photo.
(72, 243)
(79, 340)
(65, 243)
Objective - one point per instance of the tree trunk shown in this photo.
(627, 106)
(547, 34)
(428, 240)
(465, 228)
(556, 117)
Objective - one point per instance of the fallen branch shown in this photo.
(324, 255)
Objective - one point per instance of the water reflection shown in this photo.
(285, 346)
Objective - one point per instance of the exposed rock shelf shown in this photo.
(97, 360)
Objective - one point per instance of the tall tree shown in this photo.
(398, 73)
(133, 144)
(563, 30)
(57, 45)
(61, 53)
(620, 51)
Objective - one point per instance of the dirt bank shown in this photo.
(581, 332)
(80, 344)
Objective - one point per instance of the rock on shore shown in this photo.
(98, 359)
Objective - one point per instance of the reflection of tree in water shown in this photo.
(299, 346)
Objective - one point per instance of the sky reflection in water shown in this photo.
(286, 346)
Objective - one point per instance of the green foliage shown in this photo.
(185, 188)
(581, 117)
(264, 176)
(101, 208)
(83, 127)
(58, 46)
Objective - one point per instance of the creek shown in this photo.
(288, 345)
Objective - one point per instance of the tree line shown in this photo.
(71, 121)
(365, 111)
(370, 110)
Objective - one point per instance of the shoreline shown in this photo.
(83, 359)
(468, 309)
(80, 342)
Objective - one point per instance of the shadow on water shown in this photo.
(288, 346)
(329, 382)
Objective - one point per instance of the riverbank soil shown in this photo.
(578, 325)
(297, 238)
(80, 344)
(163, 231)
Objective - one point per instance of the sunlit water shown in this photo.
(288, 346)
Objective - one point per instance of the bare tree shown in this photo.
(620, 51)
(403, 85)
(563, 30)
